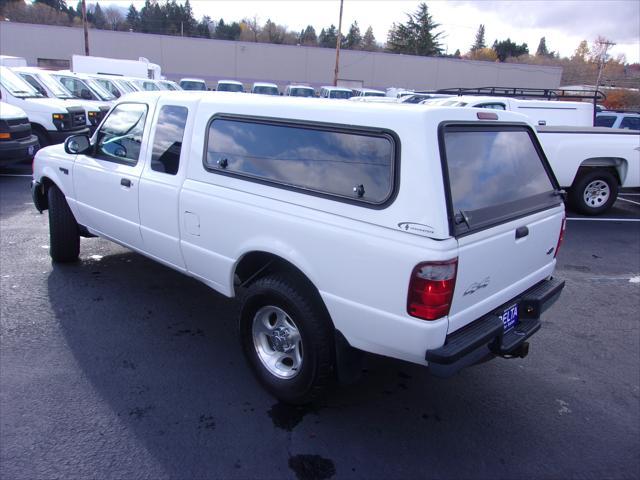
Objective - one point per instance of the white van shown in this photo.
(46, 85)
(117, 86)
(368, 92)
(193, 84)
(16, 140)
(82, 86)
(299, 91)
(263, 88)
(336, 92)
(229, 86)
(52, 120)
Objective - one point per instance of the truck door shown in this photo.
(161, 181)
(106, 179)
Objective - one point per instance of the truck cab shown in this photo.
(52, 120)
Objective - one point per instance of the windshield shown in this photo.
(99, 90)
(192, 85)
(168, 85)
(346, 94)
(230, 87)
(301, 92)
(265, 90)
(124, 86)
(17, 86)
(55, 88)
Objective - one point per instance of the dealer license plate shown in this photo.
(510, 317)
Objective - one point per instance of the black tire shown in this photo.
(589, 180)
(43, 138)
(64, 236)
(303, 306)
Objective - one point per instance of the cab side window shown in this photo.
(631, 123)
(167, 141)
(120, 136)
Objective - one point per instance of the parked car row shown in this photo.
(56, 104)
(292, 90)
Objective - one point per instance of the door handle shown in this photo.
(125, 182)
(522, 232)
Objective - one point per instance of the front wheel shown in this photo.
(287, 338)
(64, 237)
(594, 192)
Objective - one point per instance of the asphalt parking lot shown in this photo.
(116, 367)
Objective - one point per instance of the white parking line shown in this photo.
(13, 175)
(627, 200)
(605, 219)
(634, 194)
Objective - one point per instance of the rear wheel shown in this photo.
(64, 237)
(594, 192)
(287, 338)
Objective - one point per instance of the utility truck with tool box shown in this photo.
(428, 235)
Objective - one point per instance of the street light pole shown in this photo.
(337, 69)
(86, 30)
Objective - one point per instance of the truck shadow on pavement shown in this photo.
(161, 350)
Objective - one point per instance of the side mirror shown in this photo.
(85, 94)
(77, 144)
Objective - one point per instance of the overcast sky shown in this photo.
(564, 23)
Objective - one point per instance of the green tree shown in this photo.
(353, 40)
(543, 51)
(416, 37)
(479, 43)
(506, 48)
(133, 18)
(328, 38)
(308, 36)
(203, 29)
(369, 40)
(227, 31)
(60, 5)
(99, 20)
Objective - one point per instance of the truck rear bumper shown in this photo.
(486, 338)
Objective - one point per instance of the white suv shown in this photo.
(614, 119)
(424, 234)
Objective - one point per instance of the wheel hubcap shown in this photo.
(596, 193)
(277, 341)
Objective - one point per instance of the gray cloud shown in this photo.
(617, 20)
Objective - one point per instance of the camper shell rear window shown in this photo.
(494, 173)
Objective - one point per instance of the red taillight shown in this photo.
(431, 289)
(561, 236)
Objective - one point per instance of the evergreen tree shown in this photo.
(133, 18)
(353, 40)
(99, 20)
(308, 36)
(369, 40)
(542, 48)
(227, 32)
(479, 42)
(203, 27)
(506, 48)
(457, 53)
(418, 36)
(328, 38)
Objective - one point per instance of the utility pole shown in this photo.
(337, 69)
(605, 45)
(86, 29)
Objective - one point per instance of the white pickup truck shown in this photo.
(424, 234)
(591, 163)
